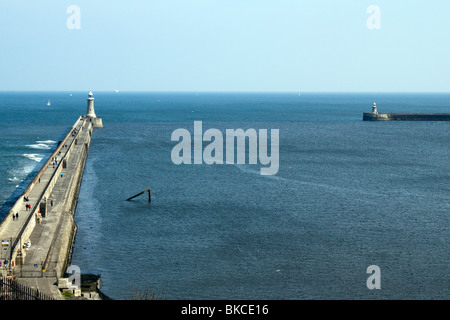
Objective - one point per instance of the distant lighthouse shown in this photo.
(90, 106)
(374, 108)
(90, 113)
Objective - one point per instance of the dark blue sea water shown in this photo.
(348, 194)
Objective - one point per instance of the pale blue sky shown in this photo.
(225, 45)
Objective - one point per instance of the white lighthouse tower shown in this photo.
(374, 108)
(90, 113)
(90, 106)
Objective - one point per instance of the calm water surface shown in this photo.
(348, 194)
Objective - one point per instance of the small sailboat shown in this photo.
(49, 103)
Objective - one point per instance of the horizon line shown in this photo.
(225, 91)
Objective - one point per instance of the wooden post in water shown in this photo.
(149, 195)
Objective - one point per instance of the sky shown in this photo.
(225, 45)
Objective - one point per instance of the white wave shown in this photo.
(248, 169)
(28, 169)
(19, 174)
(38, 146)
(46, 142)
(34, 156)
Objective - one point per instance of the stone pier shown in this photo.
(38, 232)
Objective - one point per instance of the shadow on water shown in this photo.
(136, 205)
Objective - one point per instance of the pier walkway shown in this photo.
(38, 232)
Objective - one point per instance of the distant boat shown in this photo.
(116, 91)
(48, 103)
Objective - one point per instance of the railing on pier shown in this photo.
(12, 290)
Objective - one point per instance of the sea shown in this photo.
(348, 195)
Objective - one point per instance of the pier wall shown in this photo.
(61, 247)
(72, 192)
(20, 201)
(66, 229)
(39, 229)
(370, 116)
